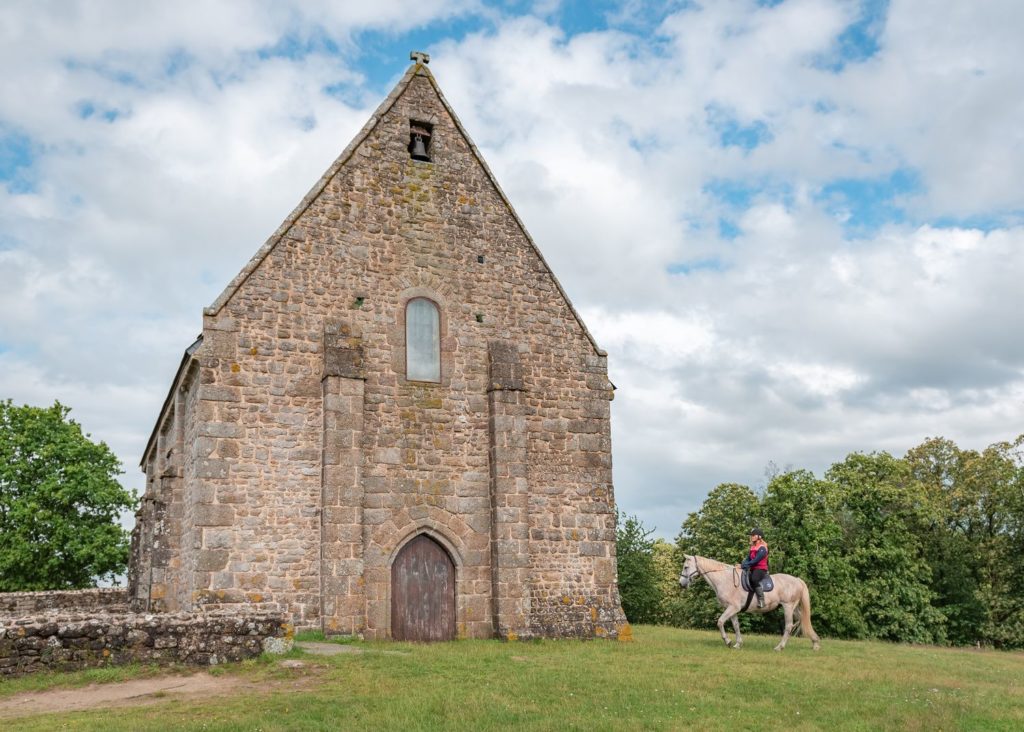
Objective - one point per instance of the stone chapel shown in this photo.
(394, 423)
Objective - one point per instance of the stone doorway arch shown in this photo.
(423, 592)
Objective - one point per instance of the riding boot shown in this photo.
(760, 597)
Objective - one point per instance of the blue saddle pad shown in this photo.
(766, 584)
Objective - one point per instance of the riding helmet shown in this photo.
(756, 532)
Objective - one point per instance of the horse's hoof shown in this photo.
(816, 646)
(778, 648)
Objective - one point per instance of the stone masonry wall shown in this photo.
(305, 478)
(59, 642)
(99, 600)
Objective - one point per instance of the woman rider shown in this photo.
(757, 563)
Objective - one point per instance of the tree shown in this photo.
(719, 530)
(668, 562)
(638, 579)
(980, 495)
(806, 540)
(59, 503)
(960, 542)
(884, 513)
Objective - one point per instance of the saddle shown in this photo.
(766, 584)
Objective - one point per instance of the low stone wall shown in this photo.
(53, 641)
(23, 604)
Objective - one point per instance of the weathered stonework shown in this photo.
(293, 461)
(100, 600)
(55, 642)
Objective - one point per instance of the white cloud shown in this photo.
(786, 340)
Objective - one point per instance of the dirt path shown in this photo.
(139, 692)
(142, 692)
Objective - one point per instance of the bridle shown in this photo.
(696, 571)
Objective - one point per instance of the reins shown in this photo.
(701, 572)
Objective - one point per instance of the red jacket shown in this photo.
(753, 562)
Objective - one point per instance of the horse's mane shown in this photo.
(703, 562)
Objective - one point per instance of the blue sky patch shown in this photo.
(384, 55)
(105, 70)
(728, 229)
(588, 16)
(734, 193)
(860, 40)
(88, 109)
(347, 93)
(981, 222)
(740, 194)
(708, 264)
(177, 61)
(17, 156)
(293, 48)
(734, 133)
(863, 205)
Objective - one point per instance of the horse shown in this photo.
(790, 592)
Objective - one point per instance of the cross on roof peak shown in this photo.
(419, 57)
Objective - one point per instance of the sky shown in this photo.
(797, 226)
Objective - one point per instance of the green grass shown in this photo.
(666, 679)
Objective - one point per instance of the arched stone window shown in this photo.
(422, 340)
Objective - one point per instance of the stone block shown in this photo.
(212, 393)
(214, 515)
(212, 560)
(212, 468)
(220, 344)
(221, 429)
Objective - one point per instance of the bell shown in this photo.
(419, 149)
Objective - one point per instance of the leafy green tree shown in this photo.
(719, 530)
(638, 580)
(59, 503)
(960, 542)
(924, 549)
(806, 540)
(884, 512)
(668, 562)
(1008, 607)
(974, 545)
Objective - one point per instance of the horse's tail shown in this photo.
(805, 616)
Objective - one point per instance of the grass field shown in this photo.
(665, 679)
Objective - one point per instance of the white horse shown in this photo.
(790, 592)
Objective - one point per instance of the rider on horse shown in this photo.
(757, 563)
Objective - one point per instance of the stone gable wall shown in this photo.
(309, 471)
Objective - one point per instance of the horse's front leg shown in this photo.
(730, 612)
(787, 608)
(736, 630)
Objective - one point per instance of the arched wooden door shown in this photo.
(423, 592)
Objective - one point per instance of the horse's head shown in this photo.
(690, 571)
